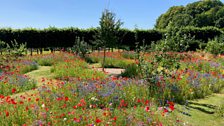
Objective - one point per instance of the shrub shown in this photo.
(220, 110)
(116, 63)
(17, 49)
(89, 59)
(80, 47)
(130, 71)
(216, 46)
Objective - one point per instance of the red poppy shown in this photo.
(115, 118)
(171, 106)
(27, 108)
(76, 120)
(98, 120)
(13, 101)
(138, 100)
(147, 108)
(6, 113)
(146, 102)
(13, 90)
(2, 96)
(165, 110)
(21, 102)
(66, 98)
(37, 99)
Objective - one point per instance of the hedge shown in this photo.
(65, 37)
(203, 34)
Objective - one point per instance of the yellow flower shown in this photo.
(159, 68)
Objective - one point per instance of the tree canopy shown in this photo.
(198, 14)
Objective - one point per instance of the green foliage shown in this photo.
(53, 58)
(161, 65)
(199, 14)
(188, 38)
(89, 59)
(175, 40)
(18, 82)
(2, 45)
(130, 71)
(75, 69)
(220, 110)
(65, 37)
(129, 55)
(202, 34)
(45, 61)
(17, 49)
(80, 47)
(115, 63)
(108, 29)
(216, 46)
(27, 67)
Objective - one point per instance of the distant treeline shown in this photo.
(65, 37)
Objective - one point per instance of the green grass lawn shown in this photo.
(42, 72)
(201, 113)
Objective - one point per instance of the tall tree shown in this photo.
(199, 14)
(109, 27)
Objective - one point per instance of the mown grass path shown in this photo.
(202, 112)
(43, 72)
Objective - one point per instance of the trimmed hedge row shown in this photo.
(203, 34)
(65, 37)
(55, 37)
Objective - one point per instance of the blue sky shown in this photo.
(82, 13)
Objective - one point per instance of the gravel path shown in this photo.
(112, 71)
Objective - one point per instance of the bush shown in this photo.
(220, 110)
(178, 41)
(116, 63)
(89, 59)
(203, 34)
(17, 49)
(130, 71)
(80, 47)
(215, 46)
(45, 62)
